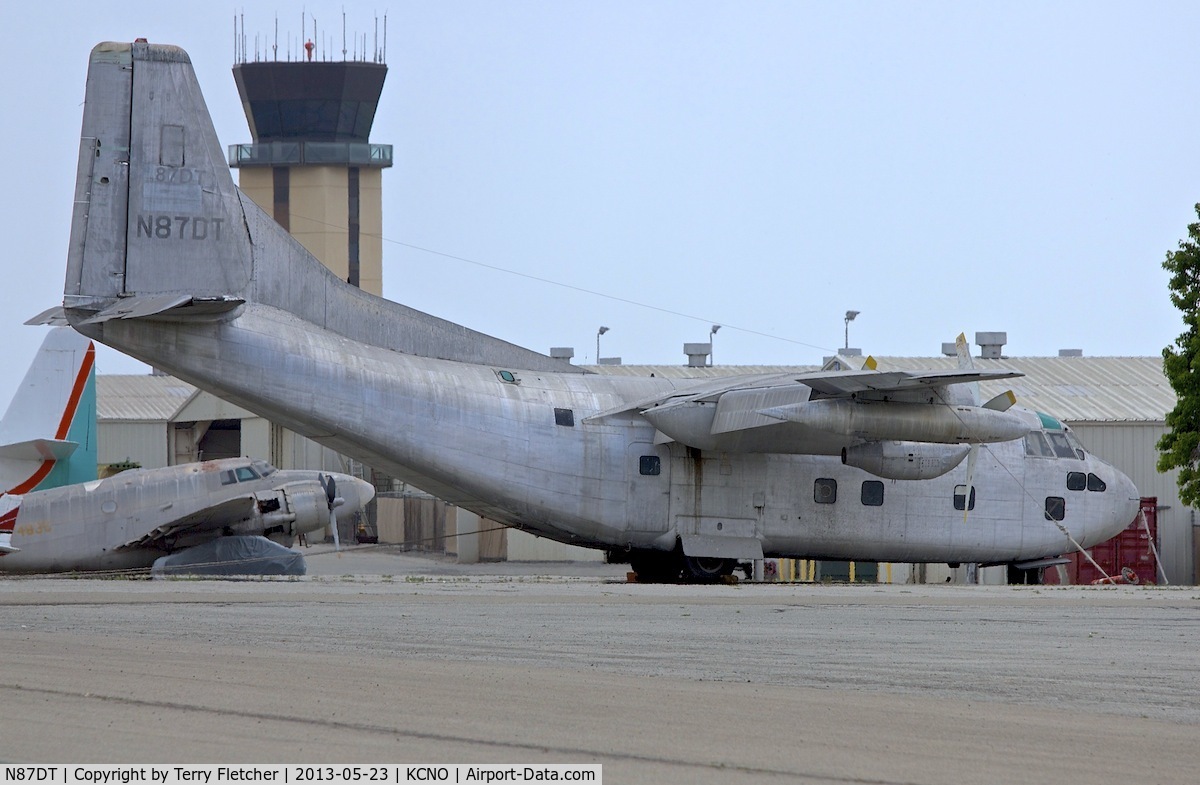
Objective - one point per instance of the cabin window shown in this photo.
(1056, 508)
(1035, 444)
(825, 491)
(1062, 446)
(1094, 483)
(650, 465)
(872, 493)
(564, 417)
(960, 498)
(1076, 481)
(227, 477)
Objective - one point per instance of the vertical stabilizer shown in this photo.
(160, 232)
(48, 433)
(156, 210)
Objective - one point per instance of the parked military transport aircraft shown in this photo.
(131, 519)
(172, 264)
(48, 432)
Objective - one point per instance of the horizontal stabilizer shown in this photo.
(38, 450)
(53, 317)
(165, 307)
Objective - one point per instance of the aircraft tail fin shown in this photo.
(9, 506)
(47, 434)
(160, 231)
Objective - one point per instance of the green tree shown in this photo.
(1179, 448)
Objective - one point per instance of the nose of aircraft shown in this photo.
(355, 492)
(1124, 506)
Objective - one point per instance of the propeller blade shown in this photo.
(337, 543)
(971, 455)
(963, 351)
(1001, 402)
(330, 485)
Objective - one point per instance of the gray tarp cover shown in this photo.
(232, 556)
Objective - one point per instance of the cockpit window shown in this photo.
(1035, 444)
(1062, 446)
(245, 474)
(263, 468)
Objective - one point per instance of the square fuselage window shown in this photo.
(825, 491)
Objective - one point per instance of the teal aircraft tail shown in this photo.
(48, 432)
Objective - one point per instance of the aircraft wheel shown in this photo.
(707, 570)
(655, 566)
(1019, 577)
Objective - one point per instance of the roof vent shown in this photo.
(1070, 352)
(991, 344)
(608, 361)
(949, 349)
(562, 352)
(697, 354)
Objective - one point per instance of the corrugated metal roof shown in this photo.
(140, 398)
(1075, 389)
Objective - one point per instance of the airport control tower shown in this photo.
(311, 165)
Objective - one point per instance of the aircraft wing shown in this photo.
(844, 383)
(825, 383)
(825, 411)
(213, 519)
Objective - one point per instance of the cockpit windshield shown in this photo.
(1054, 441)
(254, 471)
(263, 468)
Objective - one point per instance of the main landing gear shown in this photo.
(674, 567)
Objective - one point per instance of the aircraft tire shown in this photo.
(1019, 577)
(656, 566)
(702, 569)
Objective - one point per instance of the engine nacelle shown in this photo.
(307, 502)
(894, 460)
(294, 509)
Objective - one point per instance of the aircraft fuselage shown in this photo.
(524, 453)
(110, 524)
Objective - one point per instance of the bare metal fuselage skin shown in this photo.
(98, 525)
(510, 434)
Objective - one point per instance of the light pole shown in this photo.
(599, 332)
(711, 333)
(849, 318)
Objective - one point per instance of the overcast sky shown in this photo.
(657, 167)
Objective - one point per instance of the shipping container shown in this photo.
(1126, 558)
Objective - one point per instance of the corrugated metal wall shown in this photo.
(142, 442)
